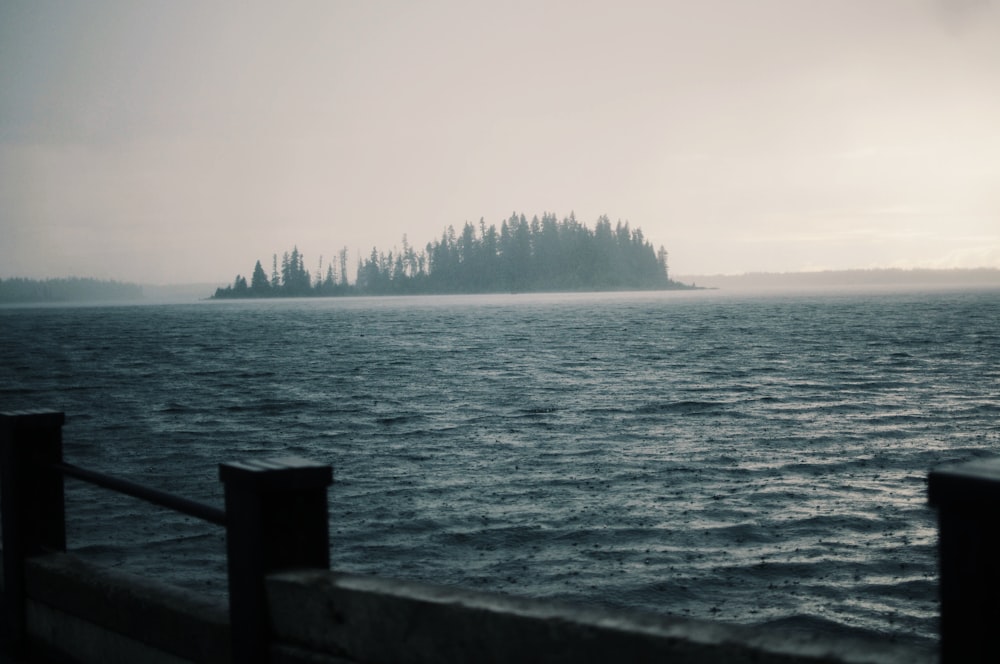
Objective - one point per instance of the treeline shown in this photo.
(543, 254)
(70, 289)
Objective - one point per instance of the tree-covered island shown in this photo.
(543, 254)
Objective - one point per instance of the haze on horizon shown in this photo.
(180, 142)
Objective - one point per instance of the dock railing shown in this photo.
(285, 605)
(275, 519)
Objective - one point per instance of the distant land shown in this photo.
(829, 279)
(85, 290)
(541, 255)
(69, 289)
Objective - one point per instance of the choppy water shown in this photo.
(747, 459)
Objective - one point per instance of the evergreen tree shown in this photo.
(343, 266)
(661, 258)
(258, 282)
(295, 278)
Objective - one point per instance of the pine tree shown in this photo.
(258, 282)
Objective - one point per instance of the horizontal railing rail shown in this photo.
(142, 492)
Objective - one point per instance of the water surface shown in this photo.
(748, 459)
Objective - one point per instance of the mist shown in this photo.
(180, 143)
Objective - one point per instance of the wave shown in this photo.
(681, 408)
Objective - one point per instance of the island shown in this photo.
(540, 255)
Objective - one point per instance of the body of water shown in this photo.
(752, 459)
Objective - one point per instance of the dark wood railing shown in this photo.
(967, 498)
(275, 519)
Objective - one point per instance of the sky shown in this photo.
(180, 142)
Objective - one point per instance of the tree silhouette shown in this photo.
(258, 282)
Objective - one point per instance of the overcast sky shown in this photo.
(176, 142)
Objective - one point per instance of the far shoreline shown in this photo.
(760, 282)
(908, 279)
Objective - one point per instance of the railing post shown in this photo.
(276, 519)
(967, 498)
(33, 506)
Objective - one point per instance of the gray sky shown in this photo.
(172, 142)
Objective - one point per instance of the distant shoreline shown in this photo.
(883, 277)
(756, 281)
(59, 290)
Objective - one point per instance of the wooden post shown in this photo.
(967, 498)
(276, 519)
(33, 506)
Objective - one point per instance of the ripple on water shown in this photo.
(756, 460)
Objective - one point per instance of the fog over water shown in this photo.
(179, 142)
(736, 457)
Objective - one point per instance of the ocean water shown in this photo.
(744, 458)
